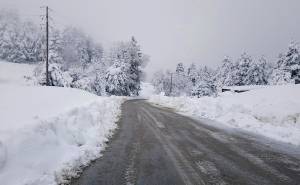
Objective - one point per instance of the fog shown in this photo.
(172, 31)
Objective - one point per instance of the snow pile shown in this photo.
(273, 111)
(13, 73)
(49, 134)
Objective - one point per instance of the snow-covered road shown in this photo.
(157, 146)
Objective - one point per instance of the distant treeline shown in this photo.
(203, 81)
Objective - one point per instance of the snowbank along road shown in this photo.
(157, 146)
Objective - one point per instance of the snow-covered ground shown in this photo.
(48, 134)
(18, 74)
(273, 111)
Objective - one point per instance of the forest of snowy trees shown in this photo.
(203, 81)
(75, 60)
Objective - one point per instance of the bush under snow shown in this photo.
(272, 111)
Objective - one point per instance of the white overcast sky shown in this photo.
(172, 31)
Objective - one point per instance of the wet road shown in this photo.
(155, 146)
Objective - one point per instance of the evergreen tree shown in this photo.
(117, 78)
(55, 47)
(264, 71)
(225, 73)
(181, 82)
(130, 54)
(241, 73)
(257, 73)
(205, 84)
(291, 62)
(136, 59)
(192, 74)
(180, 68)
(288, 67)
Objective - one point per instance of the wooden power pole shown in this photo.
(171, 84)
(47, 47)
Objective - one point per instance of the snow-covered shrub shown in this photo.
(280, 77)
(204, 88)
(57, 77)
(83, 83)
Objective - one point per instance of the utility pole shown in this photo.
(47, 47)
(171, 84)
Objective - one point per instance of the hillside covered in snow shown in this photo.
(273, 111)
(16, 74)
(48, 134)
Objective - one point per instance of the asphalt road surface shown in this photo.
(155, 146)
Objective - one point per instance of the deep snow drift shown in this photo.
(48, 134)
(272, 111)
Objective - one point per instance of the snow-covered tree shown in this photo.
(161, 82)
(180, 68)
(56, 47)
(9, 27)
(265, 70)
(280, 77)
(257, 73)
(117, 78)
(205, 85)
(192, 74)
(20, 42)
(196, 82)
(75, 60)
(287, 70)
(181, 83)
(225, 73)
(291, 63)
(30, 43)
(99, 84)
(241, 70)
(135, 58)
(204, 88)
(130, 57)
